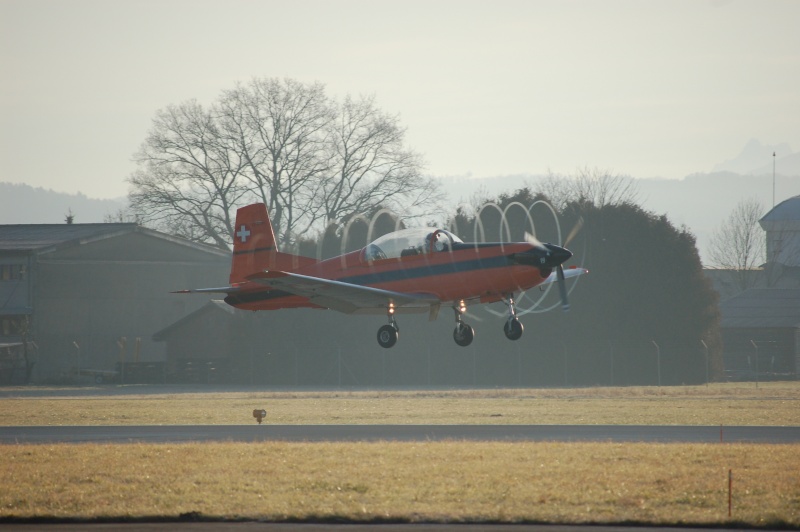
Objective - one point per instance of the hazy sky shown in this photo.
(645, 88)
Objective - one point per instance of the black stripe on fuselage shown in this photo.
(400, 274)
(430, 270)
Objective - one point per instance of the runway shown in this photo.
(352, 433)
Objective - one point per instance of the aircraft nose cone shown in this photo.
(557, 255)
(543, 256)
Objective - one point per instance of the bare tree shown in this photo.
(122, 215)
(189, 180)
(739, 244)
(282, 142)
(278, 129)
(593, 185)
(369, 167)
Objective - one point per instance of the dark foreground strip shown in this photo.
(298, 433)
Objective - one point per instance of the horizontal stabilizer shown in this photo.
(568, 273)
(221, 290)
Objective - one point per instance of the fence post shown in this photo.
(77, 357)
(707, 371)
(658, 361)
(611, 351)
(756, 348)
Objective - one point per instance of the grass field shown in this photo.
(776, 403)
(665, 484)
(428, 481)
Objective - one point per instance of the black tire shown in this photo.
(387, 336)
(463, 334)
(513, 329)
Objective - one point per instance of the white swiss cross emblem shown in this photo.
(243, 233)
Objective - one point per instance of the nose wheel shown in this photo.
(513, 329)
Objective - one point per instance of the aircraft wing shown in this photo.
(344, 297)
(13, 344)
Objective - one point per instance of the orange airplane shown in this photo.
(411, 270)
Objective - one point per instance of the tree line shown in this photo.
(325, 168)
(645, 314)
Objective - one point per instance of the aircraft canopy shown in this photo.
(407, 242)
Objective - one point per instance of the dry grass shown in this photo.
(428, 481)
(717, 404)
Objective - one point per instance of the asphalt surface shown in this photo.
(349, 433)
(330, 527)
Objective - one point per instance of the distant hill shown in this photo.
(751, 160)
(24, 204)
(701, 202)
(786, 165)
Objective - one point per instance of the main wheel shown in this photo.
(387, 336)
(463, 334)
(513, 329)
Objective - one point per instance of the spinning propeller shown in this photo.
(562, 288)
(548, 256)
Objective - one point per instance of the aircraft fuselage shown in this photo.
(470, 272)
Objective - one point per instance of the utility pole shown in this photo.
(773, 179)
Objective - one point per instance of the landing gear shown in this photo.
(463, 333)
(387, 335)
(513, 328)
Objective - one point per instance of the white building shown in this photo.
(782, 226)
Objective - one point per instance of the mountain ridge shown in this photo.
(24, 204)
(700, 202)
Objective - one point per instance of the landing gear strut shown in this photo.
(513, 328)
(387, 335)
(463, 333)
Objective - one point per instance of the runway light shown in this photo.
(259, 415)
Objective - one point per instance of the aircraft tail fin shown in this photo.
(255, 248)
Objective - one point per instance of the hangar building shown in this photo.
(761, 333)
(761, 326)
(79, 297)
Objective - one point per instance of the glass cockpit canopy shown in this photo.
(408, 242)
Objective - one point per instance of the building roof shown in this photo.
(40, 238)
(31, 237)
(214, 305)
(762, 308)
(787, 210)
